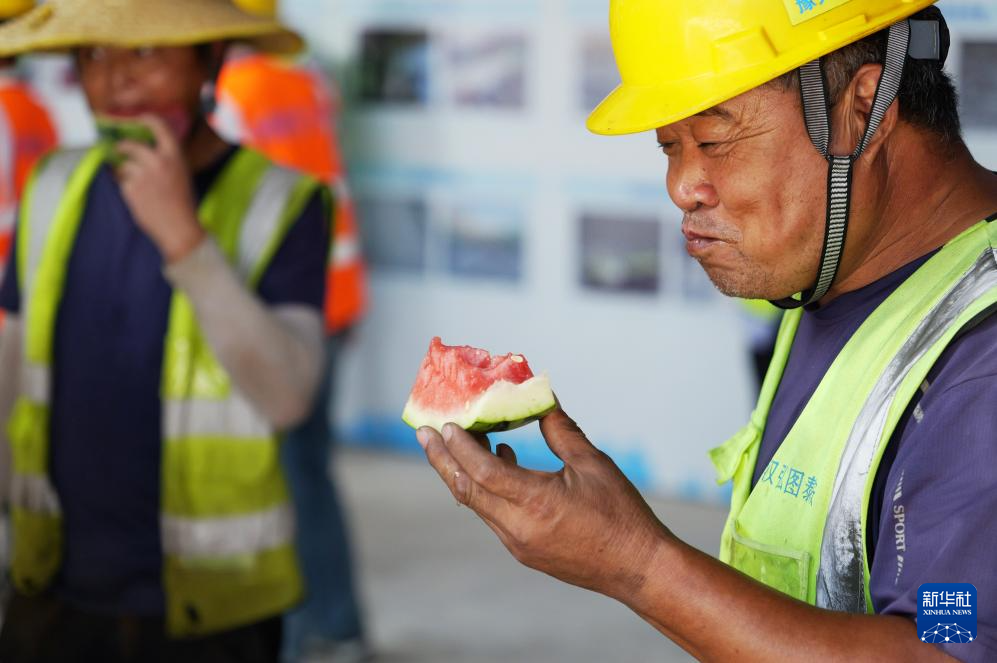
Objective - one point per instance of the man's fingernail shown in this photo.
(448, 432)
(423, 436)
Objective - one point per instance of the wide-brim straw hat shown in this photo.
(59, 25)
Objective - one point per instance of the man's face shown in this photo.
(162, 81)
(752, 187)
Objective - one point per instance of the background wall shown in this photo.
(493, 218)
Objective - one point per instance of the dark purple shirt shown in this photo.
(105, 434)
(942, 461)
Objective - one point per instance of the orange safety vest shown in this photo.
(286, 111)
(26, 134)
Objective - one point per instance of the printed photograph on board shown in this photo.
(394, 230)
(486, 69)
(486, 241)
(394, 67)
(978, 85)
(620, 252)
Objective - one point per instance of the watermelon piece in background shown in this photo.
(475, 390)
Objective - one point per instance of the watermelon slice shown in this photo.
(475, 390)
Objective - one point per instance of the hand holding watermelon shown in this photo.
(585, 524)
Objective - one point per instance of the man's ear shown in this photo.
(851, 113)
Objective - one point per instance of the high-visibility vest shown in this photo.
(801, 530)
(226, 525)
(26, 134)
(286, 112)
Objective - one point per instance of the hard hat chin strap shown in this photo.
(817, 114)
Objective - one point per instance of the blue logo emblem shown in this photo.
(946, 612)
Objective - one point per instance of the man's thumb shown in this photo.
(563, 435)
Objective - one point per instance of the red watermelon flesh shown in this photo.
(476, 390)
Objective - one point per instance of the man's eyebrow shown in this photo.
(717, 111)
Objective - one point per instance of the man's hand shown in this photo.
(586, 524)
(155, 183)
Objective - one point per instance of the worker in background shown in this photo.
(26, 133)
(287, 110)
(760, 322)
(165, 299)
(815, 149)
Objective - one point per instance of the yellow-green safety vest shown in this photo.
(226, 525)
(801, 530)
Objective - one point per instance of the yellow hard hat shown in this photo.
(266, 8)
(12, 8)
(680, 57)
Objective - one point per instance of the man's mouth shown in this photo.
(696, 243)
(176, 118)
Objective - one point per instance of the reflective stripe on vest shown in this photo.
(34, 493)
(346, 251)
(219, 538)
(801, 529)
(841, 581)
(42, 202)
(234, 417)
(36, 383)
(264, 218)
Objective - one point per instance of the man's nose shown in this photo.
(122, 80)
(689, 185)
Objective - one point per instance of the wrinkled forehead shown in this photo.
(756, 107)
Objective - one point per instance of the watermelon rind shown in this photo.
(503, 406)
